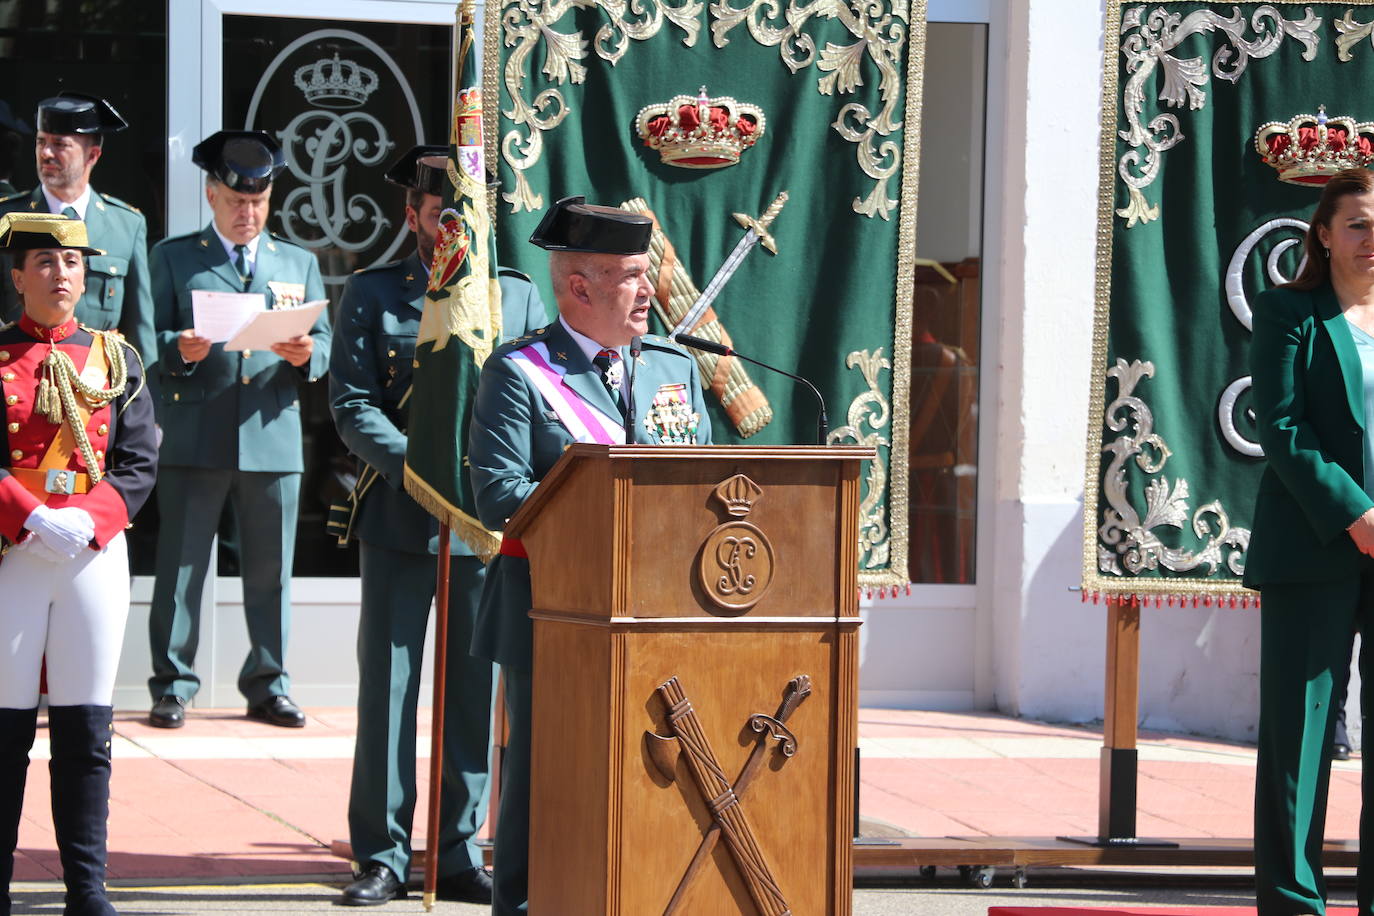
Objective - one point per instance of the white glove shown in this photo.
(67, 530)
(33, 546)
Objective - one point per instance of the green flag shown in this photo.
(1196, 219)
(461, 321)
(702, 115)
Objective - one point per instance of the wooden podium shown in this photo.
(718, 583)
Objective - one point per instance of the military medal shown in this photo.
(670, 420)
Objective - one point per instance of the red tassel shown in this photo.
(908, 588)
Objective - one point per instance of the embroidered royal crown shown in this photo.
(699, 132)
(1309, 149)
(336, 83)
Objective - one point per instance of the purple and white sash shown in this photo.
(585, 422)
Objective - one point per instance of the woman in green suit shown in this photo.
(1312, 361)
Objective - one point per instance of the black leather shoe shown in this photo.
(471, 886)
(1340, 751)
(375, 886)
(278, 710)
(168, 712)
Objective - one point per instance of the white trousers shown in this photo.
(72, 612)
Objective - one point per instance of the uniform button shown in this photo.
(176, 396)
(102, 430)
(14, 427)
(16, 454)
(247, 354)
(8, 377)
(12, 400)
(4, 356)
(114, 271)
(99, 453)
(390, 352)
(244, 380)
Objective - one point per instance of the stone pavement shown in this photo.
(230, 815)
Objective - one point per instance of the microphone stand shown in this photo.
(636, 344)
(710, 346)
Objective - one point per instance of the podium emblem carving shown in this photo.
(736, 561)
(723, 798)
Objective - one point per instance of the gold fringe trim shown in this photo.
(485, 544)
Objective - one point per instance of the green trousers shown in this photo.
(190, 502)
(1306, 634)
(398, 589)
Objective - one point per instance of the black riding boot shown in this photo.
(16, 740)
(80, 767)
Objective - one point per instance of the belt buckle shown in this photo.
(60, 481)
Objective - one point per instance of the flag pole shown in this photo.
(465, 15)
(436, 734)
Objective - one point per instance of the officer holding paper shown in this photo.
(231, 429)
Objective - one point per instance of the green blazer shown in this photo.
(118, 296)
(514, 441)
(231, 410)
(1308, 398)
(370, 370)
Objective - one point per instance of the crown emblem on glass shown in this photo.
(1309, 149)
(336, 83)
(696, 132)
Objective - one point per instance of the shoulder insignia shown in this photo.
(512, 272)
(275, 241)
(15, 196)
(120, 203)
(187, 239)
(377, 268)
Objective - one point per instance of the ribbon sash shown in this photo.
(582, 420)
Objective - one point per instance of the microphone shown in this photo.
(710, 346)
(636, 344)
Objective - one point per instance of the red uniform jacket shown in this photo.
(121, 433)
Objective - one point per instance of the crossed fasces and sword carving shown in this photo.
(722, 796)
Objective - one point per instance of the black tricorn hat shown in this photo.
(243, 160)
(424, 168)
(78, 113)
(572, 224)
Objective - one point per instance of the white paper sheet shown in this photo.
(274, 326)
(219, 315)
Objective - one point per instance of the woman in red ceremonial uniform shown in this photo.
(79, 458)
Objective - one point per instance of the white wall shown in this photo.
(1199, 665)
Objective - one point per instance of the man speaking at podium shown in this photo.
(583, 378)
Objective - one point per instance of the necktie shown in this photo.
(70, 213)
(607, 362)
(241, 265)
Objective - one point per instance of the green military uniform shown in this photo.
(370, 374)
(514, 442)
(1317, 589)
(118, 295)
(231, 428)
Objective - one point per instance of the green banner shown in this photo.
(461, 322)
(1194, 222)
(703, 115)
